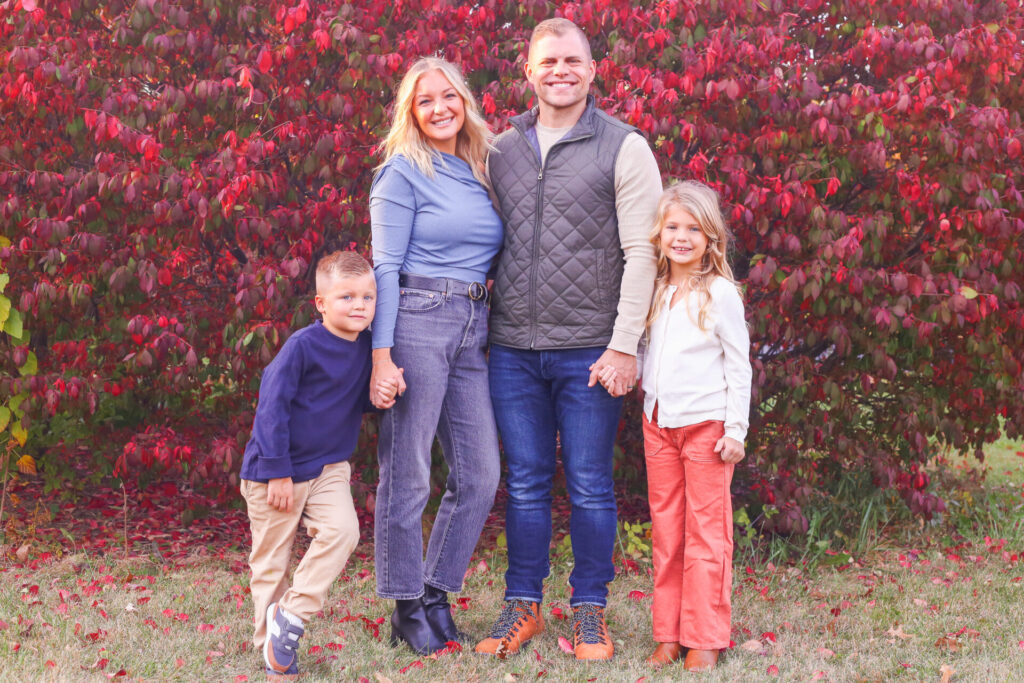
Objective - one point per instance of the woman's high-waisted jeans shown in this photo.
(439, 341)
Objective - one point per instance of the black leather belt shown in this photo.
(476, 291)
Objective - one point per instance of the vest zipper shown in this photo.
(536, 229)
(534, 324)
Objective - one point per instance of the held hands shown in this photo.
(280, 494)
(616, 371)
(731, 450)
(386, 380)
(385, 389)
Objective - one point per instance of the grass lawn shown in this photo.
(929, 602)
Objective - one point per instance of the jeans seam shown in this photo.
(456, 461)
(385, 526)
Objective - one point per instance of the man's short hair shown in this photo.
(340, 264)
(558, 26)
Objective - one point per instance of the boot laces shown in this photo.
(588, 624)
(512, 612)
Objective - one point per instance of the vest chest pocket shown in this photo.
(414, 300)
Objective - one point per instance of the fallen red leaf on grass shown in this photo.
(565, 645)
(637, 595)
(414, 665)
(242, 678)
(772, 670)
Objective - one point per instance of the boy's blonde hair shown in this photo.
(559, 27)
(701, 202)
(340, 264)
(405, 137)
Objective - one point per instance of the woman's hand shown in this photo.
(731, 450)
(386, 380)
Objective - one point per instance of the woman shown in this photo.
(435, 234)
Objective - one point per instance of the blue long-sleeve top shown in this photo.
(311, 404)
(443, 226)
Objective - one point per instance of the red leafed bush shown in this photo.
(169, 171)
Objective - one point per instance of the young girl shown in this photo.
(696, 381)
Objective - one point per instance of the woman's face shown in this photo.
(438, 110)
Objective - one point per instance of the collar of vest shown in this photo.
(584, 126)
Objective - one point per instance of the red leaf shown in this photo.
(565, 645)
(637, 596)
(265, 60)
(785, 202)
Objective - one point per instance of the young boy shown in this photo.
(295, 469)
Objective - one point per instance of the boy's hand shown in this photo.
(280, 494)
(387, 388)
(384, 375)
(731, 450)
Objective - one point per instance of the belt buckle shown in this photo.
(477, 291)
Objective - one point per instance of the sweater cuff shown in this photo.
(624, 342)
(275, 468)
(736, 432)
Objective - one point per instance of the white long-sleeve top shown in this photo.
(694, 375)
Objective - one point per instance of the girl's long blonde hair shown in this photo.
(405, 137)
(701, 202)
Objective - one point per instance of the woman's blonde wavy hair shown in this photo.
(405, 137)
(701, 202)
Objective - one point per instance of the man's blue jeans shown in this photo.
(541, 399)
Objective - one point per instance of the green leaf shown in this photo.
(968, 292)
(4, 277)
(247, 339)
(5, 309)
(31, 365)
(13, 324)
(5, 417)
(19, 433)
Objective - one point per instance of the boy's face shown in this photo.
(347, 304)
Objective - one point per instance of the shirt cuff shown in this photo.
(275, 468)
(624, 341)
(736, 432)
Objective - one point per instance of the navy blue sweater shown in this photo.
(312, 398)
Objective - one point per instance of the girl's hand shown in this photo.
(607, 377)
(731, 450)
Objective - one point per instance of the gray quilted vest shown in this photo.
(558, 276)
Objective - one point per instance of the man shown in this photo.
(577, 191)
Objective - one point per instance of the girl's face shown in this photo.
(438, 110)
(682, 241)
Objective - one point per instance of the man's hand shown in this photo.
(615, 370)
(280, 495)
(386, 380)
(731, 450)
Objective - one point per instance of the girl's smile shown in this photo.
(683, 242)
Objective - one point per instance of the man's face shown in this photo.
(560, 70)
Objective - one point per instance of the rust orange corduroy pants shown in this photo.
(691, 525)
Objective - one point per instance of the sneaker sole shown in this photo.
(266, 651)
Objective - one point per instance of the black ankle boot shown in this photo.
(409, 624)
(439, 613)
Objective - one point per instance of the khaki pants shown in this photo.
(324, 506)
